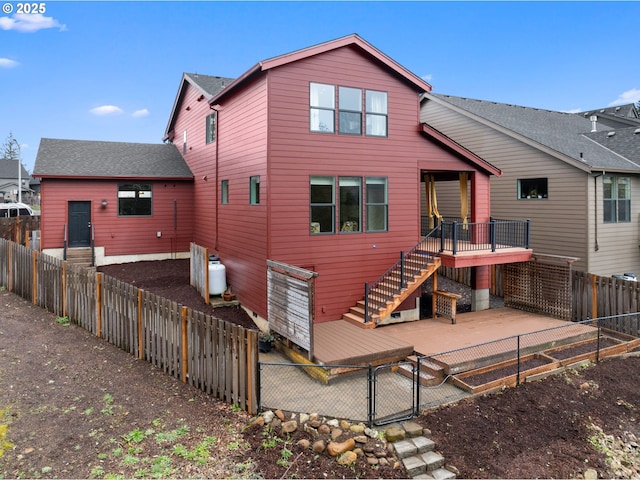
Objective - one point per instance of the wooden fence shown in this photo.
(595, 296)
(199, 270)
(213, 355)
(18, 229)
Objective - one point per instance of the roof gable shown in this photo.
(97, 159)
(353, 41)
(207, 85)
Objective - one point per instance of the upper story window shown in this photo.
(322, 103)
(322, 108)
(377, 113)
(532, 188)
(616, 194)
(211, 127)
(350, 113)
(184, 142)
(254, 190)
(134, 199)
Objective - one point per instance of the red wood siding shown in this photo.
(120, 235)
(344, 261)
(191, 116)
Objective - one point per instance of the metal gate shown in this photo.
(393, 395)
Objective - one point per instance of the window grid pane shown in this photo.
(350, 204)
(377, 207)
(134, 199)
(322, 204)
(224, 192)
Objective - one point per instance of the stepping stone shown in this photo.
(414, 466)
(442, 474)
(423, 444)
(432, 460)
(423, 476)
(412, 429)
(405, 448)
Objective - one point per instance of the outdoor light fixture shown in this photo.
(104, 203)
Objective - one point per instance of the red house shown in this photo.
(317, 159)
(112, 202)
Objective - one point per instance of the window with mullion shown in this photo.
(322, 104)
(350, 110)
(376, 110)
(322, 204)
(616, 193)
(377, 204)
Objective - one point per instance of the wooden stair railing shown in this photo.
(384, 295)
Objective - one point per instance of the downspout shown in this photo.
(217, 185)
(595, 208)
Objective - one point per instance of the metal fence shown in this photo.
(393, 392)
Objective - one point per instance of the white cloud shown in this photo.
(8, 63)
(30, 23)
(428, 77)
(630, 96)
(105, 110)
(573, 110)
(140, 113)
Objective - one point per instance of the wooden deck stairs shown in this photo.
(390, 290)
(431, 374)
(82, 256)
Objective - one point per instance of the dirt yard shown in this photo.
(73, 406)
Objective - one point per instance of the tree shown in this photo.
(10, 148)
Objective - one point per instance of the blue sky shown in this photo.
(110, 70)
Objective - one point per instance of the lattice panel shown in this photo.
(539, 287)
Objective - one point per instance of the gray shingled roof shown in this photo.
(210, 84)
(83, 158)
(562, 132)
(623, 141)
(9, 169)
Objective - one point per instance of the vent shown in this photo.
(637, 130)
(611, 134)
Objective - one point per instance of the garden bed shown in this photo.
(587, 350)
(504, 374)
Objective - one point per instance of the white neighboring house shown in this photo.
(9, 182)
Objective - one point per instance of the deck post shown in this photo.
(492, 229)
(442, 225)
(366, 302)
(454, 237)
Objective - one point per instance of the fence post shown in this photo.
(64, 288)
(518, 368)
(594, 297)
(598, 342)
(99, 304)
(35, 277)
(185, 345)
(9, 269)
(140, 349)
(371, 403)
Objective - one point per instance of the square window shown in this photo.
(134, 199)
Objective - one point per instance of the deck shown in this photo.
(470, 254)
(340, 343)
